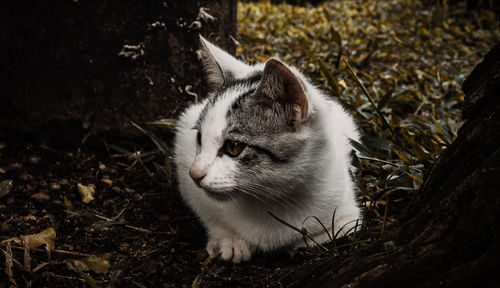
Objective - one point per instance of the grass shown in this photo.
(397, 66)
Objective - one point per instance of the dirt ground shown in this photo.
(137, 222)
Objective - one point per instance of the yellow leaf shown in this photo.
(87, 192)
(416, 178)
(369, 204)
(261, 58)
(489, 16)
(403, 157)
(96, 264)
(336, 37)
(68, 204)
(46, 237)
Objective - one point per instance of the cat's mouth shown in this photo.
(219, 194)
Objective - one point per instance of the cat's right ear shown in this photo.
(218, 65)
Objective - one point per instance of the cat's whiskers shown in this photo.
(270, 194)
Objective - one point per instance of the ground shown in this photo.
(137, 223)
(397, 66)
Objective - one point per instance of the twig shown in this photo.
(56, 251)
(120, 214)
(65, 277)
(138, 284)
(385, 216)
(303, 232)
(379, 160)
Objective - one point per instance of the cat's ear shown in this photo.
(282, 85)
(218, 65)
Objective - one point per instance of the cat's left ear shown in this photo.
(282, 85)
(218, 65)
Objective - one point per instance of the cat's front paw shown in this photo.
(231, 248)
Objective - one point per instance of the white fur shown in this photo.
(236, 228)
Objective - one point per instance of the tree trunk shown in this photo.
(100, 64)
(449, 234)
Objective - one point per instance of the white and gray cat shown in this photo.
(264, 140)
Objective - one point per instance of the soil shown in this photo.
(148, 235)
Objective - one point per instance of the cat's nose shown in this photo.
(197, 174)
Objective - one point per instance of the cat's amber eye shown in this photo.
(233, 148)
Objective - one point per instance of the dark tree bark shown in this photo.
(103, 63)
(449, 235)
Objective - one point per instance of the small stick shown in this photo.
(120, 214)
(56, 251)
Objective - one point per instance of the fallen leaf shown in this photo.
(40, 196)
(68, 204)
(369, 204)
(96, 264)
(87, 192)
(107, 181)
(5, 187)
(9, 263)
(29, 217)
(78, 266)
(55, 186)
(46, 237)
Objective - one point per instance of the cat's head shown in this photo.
(252, 135)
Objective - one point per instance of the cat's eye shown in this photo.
(198, 138)
(233, 148)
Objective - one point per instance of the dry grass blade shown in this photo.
(162, 146)
(365, 91)
(382, 227)
(76, 266)
(9, 263)
(204, 270)
(304, 232)
(322, 226)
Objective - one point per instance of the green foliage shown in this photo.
(396, 65)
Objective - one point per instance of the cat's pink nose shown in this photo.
(197, 174)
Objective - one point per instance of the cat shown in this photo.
(264, 141)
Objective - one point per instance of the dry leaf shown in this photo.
(87, 192)
(29, 217)
(5, 187)
(369, 204)
(107, 181)
(40, 196)
(96, 264)
(78, 266)
(68, 204)
(46, 237)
